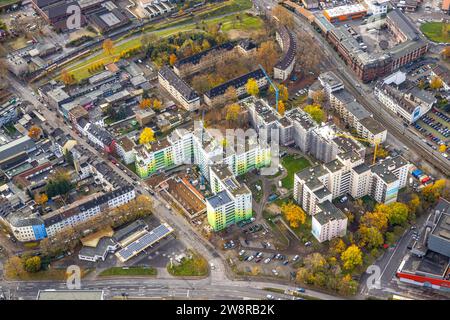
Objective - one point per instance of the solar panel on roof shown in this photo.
(145, 241)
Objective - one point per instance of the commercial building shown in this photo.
(108, 17)
(217, 94)
(445, 6)
(56, 12)
(377, 7)
(428, 265)
(15, 151)
(411, 45)
(99, 252)
(179, 89)
(311, 4)
(136, 243)
(408, 103)
(231, 202)
(154, 9)
(288, 44)
(347, 12)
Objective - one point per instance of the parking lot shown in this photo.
(435, 127)
(272, 264)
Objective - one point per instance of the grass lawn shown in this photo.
(292, 165)
(80, 71)
(195, 266)
(162, 30)
(131, 271)
(248, 23)
(50, 274)
(434, 31)
(8, 2)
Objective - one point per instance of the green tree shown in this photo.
(351, 257)
(316, 113)
(370, 237)
(33, 264)
(396, 212)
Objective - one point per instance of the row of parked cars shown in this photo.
(436, 125)
(441, 115)
(259, 256)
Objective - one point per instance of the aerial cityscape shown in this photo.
(224, 150)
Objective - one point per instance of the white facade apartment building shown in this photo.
(349, 175)
(328, 223)
(360, 177)
(388, 177)
(125, 149)
(231, 202)
(310, 190)
(86, 208)
(330, 82)
(179, 89)
(266, 121)
(315, 198)
(355, 115)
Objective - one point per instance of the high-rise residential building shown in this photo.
(315, 187)
(201, 148)
(330, 222)
(231, 202)
(351, 111)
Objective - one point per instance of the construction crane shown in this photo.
(375, 142)
(277, 92)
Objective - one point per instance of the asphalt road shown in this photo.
(217, 286)
(364, 95)
(161, 289)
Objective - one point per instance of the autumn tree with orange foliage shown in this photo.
(66, 77)
(108, 46)
(35, 132)
(172, 59)
(145, 104)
